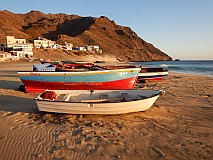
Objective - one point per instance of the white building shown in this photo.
(93, 48)
(23, 50)
(96, 48)
(56, 46)
(11, 41)
(5, 56)
(89, 48)
(19, 47)
(43, 42)
(67, 46)
(80, 48)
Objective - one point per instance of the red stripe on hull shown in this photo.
(35, 86)
(155, 79)
(151, 79)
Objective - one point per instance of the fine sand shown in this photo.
(178, 126)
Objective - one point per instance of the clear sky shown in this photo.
(181, 28)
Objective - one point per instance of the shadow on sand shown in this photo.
(17, 104)
(12, 99)
(13, 85)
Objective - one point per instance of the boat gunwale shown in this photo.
(49, 100)
(88, 72)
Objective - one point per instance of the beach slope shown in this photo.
(178, 126)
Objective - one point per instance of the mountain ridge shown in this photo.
(116, 40)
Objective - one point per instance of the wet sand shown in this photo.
(178, 126)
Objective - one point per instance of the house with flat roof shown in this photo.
(11, 41)
(18, 47)
(23, 50)
(43, 42)
(4, 56)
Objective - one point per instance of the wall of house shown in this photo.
(5, 56)
(22, 50)
(43, 43)
(11, 41)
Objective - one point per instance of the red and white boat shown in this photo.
(146, 73)
(152, 74)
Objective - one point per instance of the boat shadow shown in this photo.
(12, 85)
(13, 100)
(15, 104)
(8, 73)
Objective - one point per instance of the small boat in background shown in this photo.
(76, 63)
(99, 61)
(145, 74)
(44, 67)
(152, 74)
(49, 61)
(96, 102)
(116, 79)
(63, 67)
(81, 62)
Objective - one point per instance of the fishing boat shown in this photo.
(116, 79)
(146, 73)
(49, 61)
(96, 102)
(152, 74)
(70, 64)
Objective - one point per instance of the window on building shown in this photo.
(17, 49)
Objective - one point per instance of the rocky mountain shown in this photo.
(113, 39)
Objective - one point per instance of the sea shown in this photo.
(196, 67)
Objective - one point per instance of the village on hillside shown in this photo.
(16, 48)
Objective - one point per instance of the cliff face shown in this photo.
(112, 38)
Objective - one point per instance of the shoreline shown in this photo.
(177, 126)
(197, 67)
(109, 62)
(192, 74)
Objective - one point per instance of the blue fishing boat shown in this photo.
(117, 79)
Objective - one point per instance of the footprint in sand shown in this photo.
(2, 138)
(14, 128)
(68, 154)
(30, 124)
(20, 121)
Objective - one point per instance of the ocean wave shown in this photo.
(192, 67)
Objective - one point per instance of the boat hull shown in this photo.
(152, 76)
(35, 86)
(98, 108)
(146, 73)
(91, 80)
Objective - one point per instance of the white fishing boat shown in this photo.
(96, 102)
(152, 73)
(146, 73)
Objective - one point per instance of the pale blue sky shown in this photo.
(181, 28)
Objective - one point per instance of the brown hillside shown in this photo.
(115, 40)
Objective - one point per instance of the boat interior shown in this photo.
(99, 97)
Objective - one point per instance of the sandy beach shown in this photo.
(178, 126)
